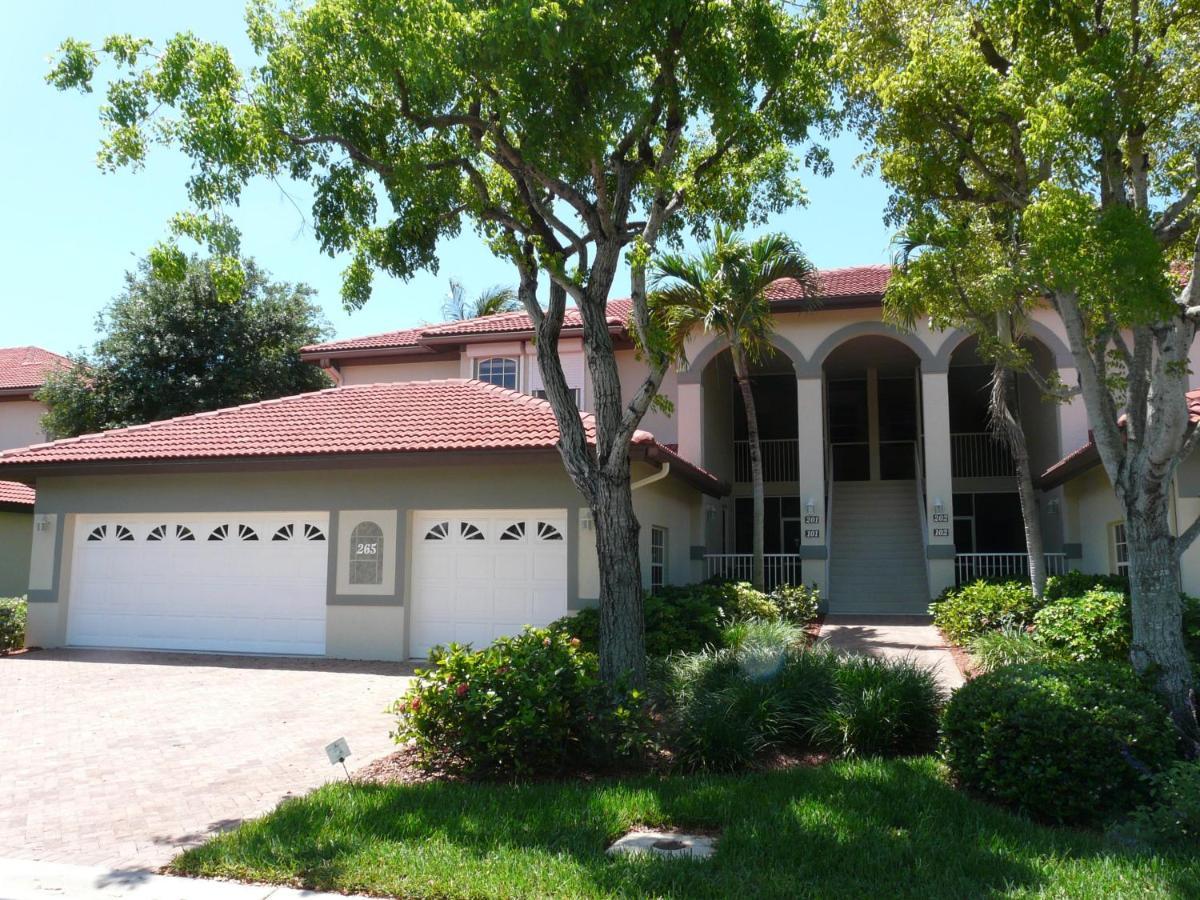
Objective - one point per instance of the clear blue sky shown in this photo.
(69, 232)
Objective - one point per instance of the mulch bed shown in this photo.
(401, 768)
(962, 659)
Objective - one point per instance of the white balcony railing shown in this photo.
(780, 459)
(979, 455)
(778, 568)
(970, 566)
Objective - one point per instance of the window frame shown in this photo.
(540, 394)
(1118, 547)
(359, 558)
(489, 361)
(658, 568)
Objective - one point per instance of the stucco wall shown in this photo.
(1090, 506)
(411, 371)
(20, 423)
(16, 533)
(361, 627)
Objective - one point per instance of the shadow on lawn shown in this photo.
(849, 829)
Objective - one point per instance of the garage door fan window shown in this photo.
(366, 554)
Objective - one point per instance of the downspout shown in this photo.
(650, 479)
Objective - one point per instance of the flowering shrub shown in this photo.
(12, 623)
(527, 704)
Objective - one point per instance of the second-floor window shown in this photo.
(576, 392)
(498, 370)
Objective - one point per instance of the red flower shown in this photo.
(575, 642)
(416, 704)
(461, 689)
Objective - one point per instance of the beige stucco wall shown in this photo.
(21, 423)
(366, 627)
(410, 371)
(16, 532)
(1089, 507)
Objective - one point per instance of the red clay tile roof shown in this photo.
(1083, 458)
(13, 493)
(852, 283)
(25, 368)
(402, 417)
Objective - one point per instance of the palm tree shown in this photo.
(489, 302)
(723, 291)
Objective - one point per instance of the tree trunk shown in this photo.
(622, 631)
(1158, 648)
(742, 373)
(1006, 424)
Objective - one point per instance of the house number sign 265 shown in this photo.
(367, 548)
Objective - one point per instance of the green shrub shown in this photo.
(796, 603)
(723, 708)
(981, 606)
(1172, 820)
(688, 618)
(1065, 743)
(761, 633)
(1191, 626)
(1008, 646)
(13, 613)
(1076, 584)
(529, 703)
(880, 707)
(1094, 626)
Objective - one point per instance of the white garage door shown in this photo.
(480, 574)
(240, 583)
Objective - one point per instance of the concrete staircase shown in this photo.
(877, 560)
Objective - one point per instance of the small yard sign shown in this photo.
(338, 751)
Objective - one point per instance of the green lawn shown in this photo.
(847, 829)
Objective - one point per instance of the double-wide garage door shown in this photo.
(480, 574)
(241, 583)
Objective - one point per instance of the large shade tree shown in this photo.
(169, 347)
(723, 290)
(1082, 119)
(568, 135)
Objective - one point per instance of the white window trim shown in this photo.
(1116, 565)
(658, 540)
(540, 393)
(515, 360)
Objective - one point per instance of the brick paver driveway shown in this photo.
(121, 758)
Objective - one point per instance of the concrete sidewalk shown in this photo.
(27, 880)
(894, 636)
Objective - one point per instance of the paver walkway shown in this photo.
(894, 636)
(121, 758)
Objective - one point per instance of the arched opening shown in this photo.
(872, 410)
(989, 535)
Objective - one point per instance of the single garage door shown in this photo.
(239, 583)
(481, 574)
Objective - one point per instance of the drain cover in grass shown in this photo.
(669, 844)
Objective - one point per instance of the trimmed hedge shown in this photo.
(529, 704)
(13, 614)
(1094, 626)
(1068, 743)
(982, 606)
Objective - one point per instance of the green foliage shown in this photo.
(880, 707)
(1191, 626)
(979, 607)
(1094, 626)
(172, 347)
(1171, 821)
(1063, 743)
(1008, 646)
(1076, 584)
(687, 618)
(797, 604)
(13, 614)
(529, 704)
(724, 708)
(746, 633)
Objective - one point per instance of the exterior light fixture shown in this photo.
(810, 506)
(937, 504)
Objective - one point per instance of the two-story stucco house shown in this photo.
(422, 500)
(22, 373)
